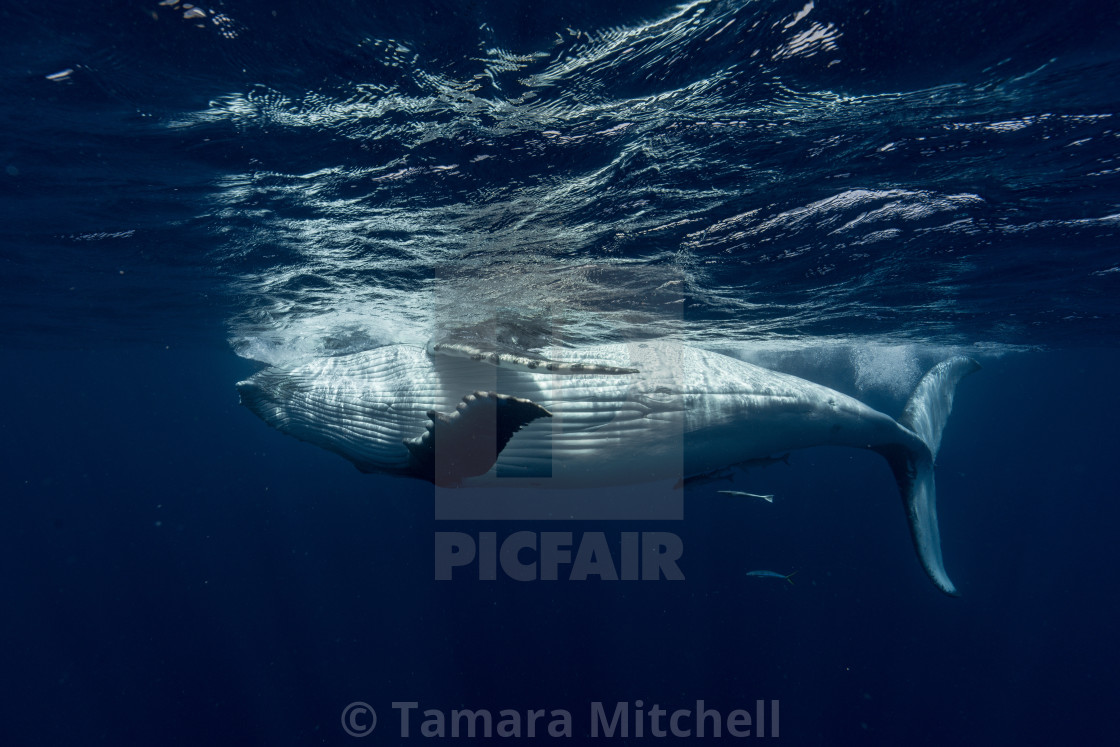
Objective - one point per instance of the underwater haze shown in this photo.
(848, 192)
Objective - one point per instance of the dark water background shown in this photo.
(876, 185)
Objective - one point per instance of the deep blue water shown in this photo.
(845, 191)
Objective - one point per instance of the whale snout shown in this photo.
(250, 393)
(265, 396)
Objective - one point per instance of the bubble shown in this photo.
(891, 368)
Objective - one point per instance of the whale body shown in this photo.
(603, 415)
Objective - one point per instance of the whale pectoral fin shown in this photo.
(471, 438)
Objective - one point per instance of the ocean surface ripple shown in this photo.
(776, 174)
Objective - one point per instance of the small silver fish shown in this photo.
(741, 494)
(771, 574)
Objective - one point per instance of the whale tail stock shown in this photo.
(912, 462)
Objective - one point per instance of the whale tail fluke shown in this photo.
(929, 406)
(925, 416)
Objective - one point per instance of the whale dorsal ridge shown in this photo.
(526, 362)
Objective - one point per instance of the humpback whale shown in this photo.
(605, 415)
